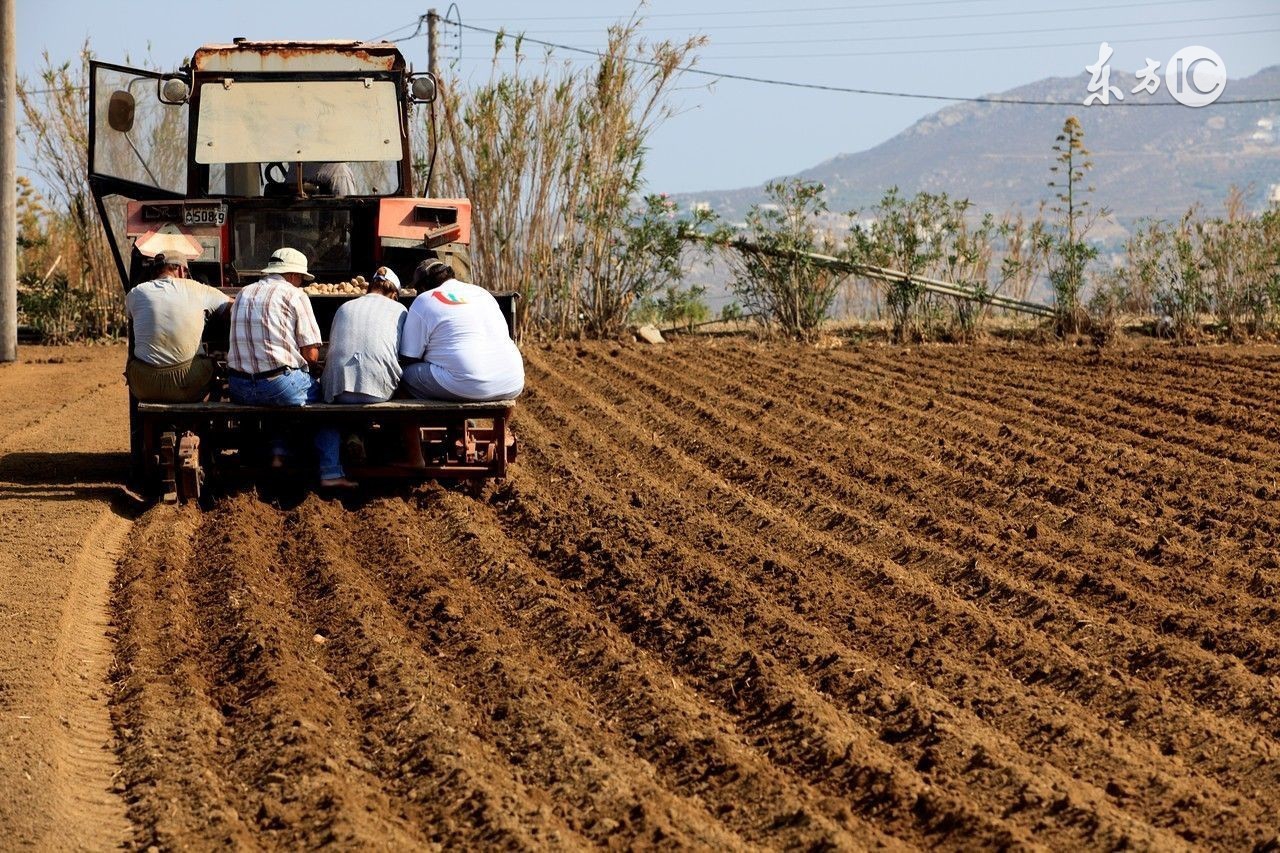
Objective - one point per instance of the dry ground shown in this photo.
(744, 596)
(64, 517)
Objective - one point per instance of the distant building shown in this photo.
(1265, 132)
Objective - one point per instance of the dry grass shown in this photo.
(550, 157)
(69, 285)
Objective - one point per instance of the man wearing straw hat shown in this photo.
(168, 316)
(274, 340)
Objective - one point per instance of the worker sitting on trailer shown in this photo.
(456, 342)
(274, 342)
(362, 364)
(456, 345)
(168, 315)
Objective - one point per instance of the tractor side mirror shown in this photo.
(422, 88)
(120, 111)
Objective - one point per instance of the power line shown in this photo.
(688, 69)
(785, 11)
(595, 52)
(737, 13)
(937, 50)
(398, 29)
(1007, 14)
(917, 37)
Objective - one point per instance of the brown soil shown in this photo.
(64, 518)
(739, 595)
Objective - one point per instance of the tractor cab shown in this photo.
(252, 146)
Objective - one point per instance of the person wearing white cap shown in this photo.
(362, 364)
(274, 340)
(167, 318)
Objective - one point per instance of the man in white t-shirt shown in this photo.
(455, 341)
(168, 316)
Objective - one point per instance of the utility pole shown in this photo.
(8, 184)
(433, 17)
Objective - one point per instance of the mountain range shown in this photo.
(1149, 162)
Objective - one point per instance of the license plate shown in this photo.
(214, 215)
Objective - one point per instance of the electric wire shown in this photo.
(774, 25)
(789, 11)
(689, 69)
(594, 52)
(984, 34)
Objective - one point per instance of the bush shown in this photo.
(1240, 262)
(674, 307)
(790, 294)
(645, 267)
(1179, 295)
(60, 228)
(63, 313)
(929, 236)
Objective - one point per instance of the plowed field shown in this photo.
(739, 596)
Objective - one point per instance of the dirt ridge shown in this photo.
(738, 596)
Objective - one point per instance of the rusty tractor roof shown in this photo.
(298, 56)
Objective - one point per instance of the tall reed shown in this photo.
(550, 156)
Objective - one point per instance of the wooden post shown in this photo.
(433, 17)
(8, 184)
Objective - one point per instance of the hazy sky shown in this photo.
(727, 133)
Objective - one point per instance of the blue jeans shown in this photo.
(330, 438)
(291, 388)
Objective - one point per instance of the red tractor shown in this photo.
(257, 145)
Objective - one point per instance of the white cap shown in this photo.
(388, 275)
(288, 260)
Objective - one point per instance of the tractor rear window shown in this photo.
(324, 236)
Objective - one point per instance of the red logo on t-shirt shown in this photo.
(448, 298)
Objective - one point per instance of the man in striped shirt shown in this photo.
(274, 339)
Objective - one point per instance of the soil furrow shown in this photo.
(773, 625)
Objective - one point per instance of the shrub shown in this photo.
(1072, 253)
(1179, 294)
(790, 293)
(61, 228)
(1239, 260)
(59, 311)
(674, 307)
(926, 236)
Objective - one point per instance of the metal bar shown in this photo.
(933, 285)
(500, 446)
